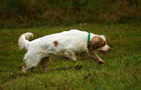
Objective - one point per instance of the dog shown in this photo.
(66, 44)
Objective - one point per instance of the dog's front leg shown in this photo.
(71, 55)
(97, 58)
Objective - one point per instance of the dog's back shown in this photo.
(59, 42)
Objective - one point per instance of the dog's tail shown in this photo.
(23, 40)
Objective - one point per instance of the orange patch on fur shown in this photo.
(97, 42)
(55, 43)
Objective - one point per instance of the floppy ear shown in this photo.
(94, 42)
(97, 42)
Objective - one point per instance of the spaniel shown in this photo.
(66, 44)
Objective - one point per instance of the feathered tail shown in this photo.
(23, 40)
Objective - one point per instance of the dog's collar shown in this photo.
(88, 42)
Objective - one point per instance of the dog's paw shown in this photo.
(23, 69)
(101, 62)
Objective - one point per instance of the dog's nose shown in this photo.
(109, 49)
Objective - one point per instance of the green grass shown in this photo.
(121, 71)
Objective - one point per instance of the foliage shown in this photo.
(27, 13)
(121, 70)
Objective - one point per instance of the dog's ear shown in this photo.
(97, 42)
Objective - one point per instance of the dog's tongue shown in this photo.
(103, 52)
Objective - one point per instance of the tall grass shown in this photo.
(121, 70)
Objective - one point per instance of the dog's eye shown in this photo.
(103, 43)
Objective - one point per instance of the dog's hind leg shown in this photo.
(28, 66)
(31, 61)
(44, 62)
(24, 68)
(32, 69)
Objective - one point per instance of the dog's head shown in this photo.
(99, 43)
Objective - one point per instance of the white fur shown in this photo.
(69, 43)
(23, 43)
(104, 48)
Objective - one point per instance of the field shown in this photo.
(121, 71)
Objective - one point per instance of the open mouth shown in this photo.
(101, 51)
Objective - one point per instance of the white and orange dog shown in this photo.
(65, 44)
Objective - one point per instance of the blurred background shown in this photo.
(36, 13)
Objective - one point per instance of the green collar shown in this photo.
(88, 43)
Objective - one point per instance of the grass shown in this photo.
(122, 70)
